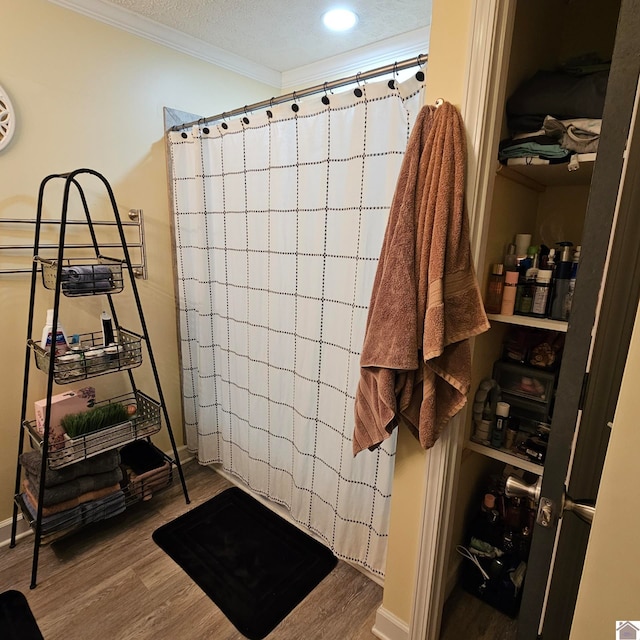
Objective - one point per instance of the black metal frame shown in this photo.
(70, 180)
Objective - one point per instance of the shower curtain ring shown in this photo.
(358, 91)
(420, 72)
(294, 107)
(325, 97)
(224, 125)
(245, 119)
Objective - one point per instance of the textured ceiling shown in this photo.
(282, 34)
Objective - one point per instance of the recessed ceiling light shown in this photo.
(339, 19)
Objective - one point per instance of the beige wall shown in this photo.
(445, 79)
(88, 95)
(611, 577)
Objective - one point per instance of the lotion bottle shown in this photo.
(58, 337)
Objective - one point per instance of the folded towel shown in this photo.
(81, 515)
(103, 462)
(425, 303)
(74, 488)
(68, 504)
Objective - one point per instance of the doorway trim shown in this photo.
(491, 28)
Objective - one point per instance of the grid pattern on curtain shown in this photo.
(279, 223)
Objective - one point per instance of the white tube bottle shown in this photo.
(58, 337)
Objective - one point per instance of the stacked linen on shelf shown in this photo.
(556, 114)
(85, 492)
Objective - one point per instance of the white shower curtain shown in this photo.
(279, 222)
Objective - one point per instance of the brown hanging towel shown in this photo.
(425, 303)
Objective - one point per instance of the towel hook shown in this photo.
(439, 102)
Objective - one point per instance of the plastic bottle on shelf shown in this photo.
(561, 283)
(541, 293)
(572, 281)
(500, 425)
(495, 286)
(58, 338)
(510, 258)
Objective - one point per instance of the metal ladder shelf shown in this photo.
(47, 362)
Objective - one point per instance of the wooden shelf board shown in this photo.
(538, 177)
(504, 456)
(529, 321)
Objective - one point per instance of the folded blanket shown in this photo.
(81, 515)
(103, 462)
(68, 504)
(74, 488)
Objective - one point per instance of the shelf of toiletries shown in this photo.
(529, 173)
(83, 276)
(90, 355)
(533, 282)
(507, 456)
(92, 428)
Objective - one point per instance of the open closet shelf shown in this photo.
(505, 456)
(530, 321)
(540, 176)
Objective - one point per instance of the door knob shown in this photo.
(547, 511)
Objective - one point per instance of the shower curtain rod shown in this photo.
(419, 60)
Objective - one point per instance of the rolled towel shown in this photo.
(87, 273)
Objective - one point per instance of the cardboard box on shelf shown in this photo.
(62, 404)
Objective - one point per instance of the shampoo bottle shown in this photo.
(56, 338)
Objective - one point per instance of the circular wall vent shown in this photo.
(7, 119)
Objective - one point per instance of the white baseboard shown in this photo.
(389, 627)
(22, 530)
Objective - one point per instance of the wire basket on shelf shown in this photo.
(144, 422)
(83, 276)
(90, 358)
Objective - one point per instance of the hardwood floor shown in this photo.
(468, 617)
(110, 581)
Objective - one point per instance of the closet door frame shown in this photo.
(489, 41)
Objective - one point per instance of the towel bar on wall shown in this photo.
(136, 221)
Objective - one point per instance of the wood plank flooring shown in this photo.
(468, 617)
(110, 581)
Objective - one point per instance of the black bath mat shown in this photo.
(253, 564)
(16, 620)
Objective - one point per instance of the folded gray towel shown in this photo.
(83, 514)
(32, 462)
(75, 487)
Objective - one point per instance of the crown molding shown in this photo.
(131, 22)
(379, 54)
